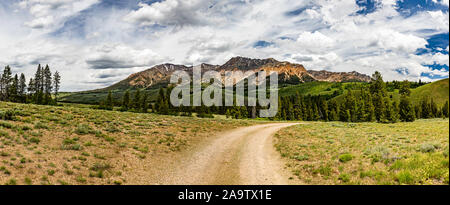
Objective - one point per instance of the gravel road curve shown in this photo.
(244, 156)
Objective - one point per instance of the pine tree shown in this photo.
(378, 85)
(324, 109)
(418, 111)
(389, 112)
(445, 109)
(244, 112)
(371, 113)
(1, 86)
(405, 88)
(137, 100)
(56, 84)
(13, 89)
(38, 86)
(425, 108)
(316, 115)
(378, 91)
(109, 101)
(434, 108)
(360, 111)
(126, 101)
(6, 81)
(162, 104)
(333, 116)
(334, 110)
(279, 114)
(344, 115)
(348, 116)
(406, 110)
(380, 107)
(31, 87)
(144, 103)
(47, 80)
(228, 114)
(22, 88)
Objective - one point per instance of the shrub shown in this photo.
(11, 182)
(27, 181)
(75, 147)
(345, 157)
(344, 177)
(8, 114)
(34, 140)
(323, 170)
(68, 172)
(70, 144)
(80, 179)
(404, 177)
(25, 128)
(301, 157)
(83, 129)
(427, 148)
(100, 167)
(112, 129)
(5, 124)
(40, 125)
(4, 134)
(50, 172)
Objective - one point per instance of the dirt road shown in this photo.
(241, 156)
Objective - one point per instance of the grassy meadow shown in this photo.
(74, 144)
(367, 153)
(78, 145)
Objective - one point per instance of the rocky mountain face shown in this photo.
(339, 76)
(288, 73)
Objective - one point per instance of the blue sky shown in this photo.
(95, 43)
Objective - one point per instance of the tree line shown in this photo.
(360, 103)
(138, 102)
(372, 104)
(43, 89)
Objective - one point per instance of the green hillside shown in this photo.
(94, 97)
(320, 88)
(438, 91)
(311, 88)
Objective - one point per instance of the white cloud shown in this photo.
(314, 41)
(115, 42)
(443, 2)
(121, 56)
(40, 22)
(169, 12)
(48, 13)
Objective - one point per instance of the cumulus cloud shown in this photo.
(443, 2)
(121, 56)
(314, 41)
(169, 12)
(47, 13)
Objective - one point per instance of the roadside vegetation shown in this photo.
(367, 153)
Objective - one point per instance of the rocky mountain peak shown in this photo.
(243, 63)
(288, 72)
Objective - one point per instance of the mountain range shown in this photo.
(289, 73)
(150, 80)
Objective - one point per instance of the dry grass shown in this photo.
(77, 145)
(367, 153)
